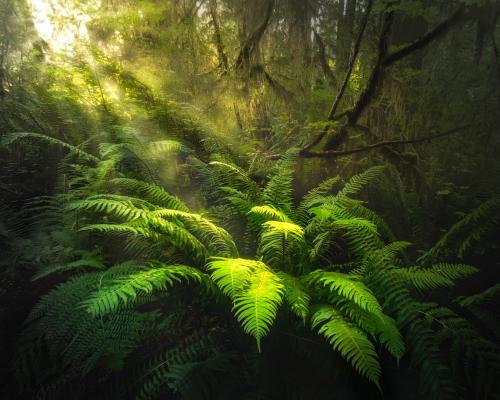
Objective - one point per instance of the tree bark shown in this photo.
(323, 61)
(223, 63)
(251, 43)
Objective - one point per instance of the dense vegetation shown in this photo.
(235, 199)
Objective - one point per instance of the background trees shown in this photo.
(137, 140)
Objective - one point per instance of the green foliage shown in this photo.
(485, 297)
(256, 305)
(125, 288)
(278, 191)
(350, 341)
(152, 193)
(255, 290)
(474, 227)
(439, 275)
(295, 294)
(149, 195)
(17, 136)
(347, 286)
(332, 261)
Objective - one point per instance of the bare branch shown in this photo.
(243, 59)
(340, 94)
(340, 153)
(322, 59)
(428, 38)
(376, 74)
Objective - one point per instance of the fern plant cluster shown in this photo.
(325, 269)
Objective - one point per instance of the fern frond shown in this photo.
(255, 290)
(121, 208)
(123, 289)
(214, 237)
(347, 286)
(242, 202)
(235, 177)
(266, 213)
(256, 306)
(476, 224)
(485, 297)
(295, 294)
(357, 209)
(154, 194)
(379, 325)
(166, 146)
(359, 181)
(439, 275)
(73, 265)
(314, 198)
(349, 340)
(282, 244)
(278, 191)
(232, 274)
(14, 137)
(334, 225)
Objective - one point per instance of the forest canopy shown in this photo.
(249, 199)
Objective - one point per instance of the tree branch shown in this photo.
(376, 74)
(323, 60)
(384, 60)
(340, 93)
(253, 40)
(339, 153)
(425, 40)
(223, 63)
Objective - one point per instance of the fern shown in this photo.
(477, 224)
(439, 275)
(295, 295)
(358, 182)
(265, 213)
(170, 370)
(282, 245)
(232, 274)
(278, 191)
(232, 175)
(347, 286)
(255, 290)
(14, 137)
(166, 146)
(379, 325)
(256, 306)
(154, 194)
(485, 297)
(213, 236)
(72, 337)
(480, 363)
(71, 266)
(314, 198)
(125, 288)
(349, 340)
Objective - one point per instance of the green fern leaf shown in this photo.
(295, 294)
(14, 137)
(439, 275)
(123, 289)
(349, 340)
(232, 274)
(485, 297)
(358, 182)
(155, 194)
(347, 286)
(282, 244)
(257, 305)
(278, 191)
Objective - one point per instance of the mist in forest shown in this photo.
(249, 199)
